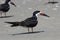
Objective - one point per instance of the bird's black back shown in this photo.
(5, 6)
(29, 22)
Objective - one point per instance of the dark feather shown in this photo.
(4, 7)
(29, 22)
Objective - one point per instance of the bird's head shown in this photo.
(7, 1)
(36, 13)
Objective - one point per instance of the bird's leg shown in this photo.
(0, 14)
(32, 29)
(4, 14)
(28, 29)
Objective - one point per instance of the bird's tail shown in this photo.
(14, 24)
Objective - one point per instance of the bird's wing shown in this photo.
(30, 21)
(3, 6)
(12, 22)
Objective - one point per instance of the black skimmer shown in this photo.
(5, 7)
(52, 2)
(30, 22)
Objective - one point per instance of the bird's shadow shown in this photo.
(27, 33)
(6, 16)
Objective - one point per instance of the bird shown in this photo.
(52, 2)
(4, 7)
(30, 22)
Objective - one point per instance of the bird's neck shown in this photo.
(34, 17)
(7, 1)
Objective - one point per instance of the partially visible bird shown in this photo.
(5, 7)
(52, 2)
(30, 22)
